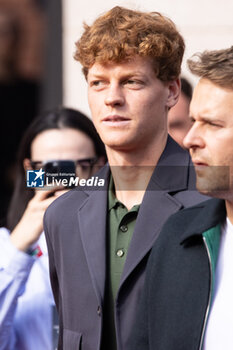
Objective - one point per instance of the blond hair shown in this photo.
(217, 66)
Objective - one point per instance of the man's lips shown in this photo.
(199, 164)
(115, 118)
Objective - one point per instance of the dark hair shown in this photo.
(186, 88)
(57, 118)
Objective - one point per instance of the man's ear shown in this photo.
(174, 87)
(27, 164)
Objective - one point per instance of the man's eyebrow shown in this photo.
(96, 75)
(134, 73)
(206, 119)
(123, 76)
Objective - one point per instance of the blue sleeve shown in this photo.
(15, 267)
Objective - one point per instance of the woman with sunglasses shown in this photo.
(61, 136)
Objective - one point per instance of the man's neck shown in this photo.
(130, 183)
(132, 171)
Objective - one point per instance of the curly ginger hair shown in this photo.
(120, 34)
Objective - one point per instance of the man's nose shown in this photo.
(193, 138)
(114, 96)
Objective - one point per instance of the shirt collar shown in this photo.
(113, 202)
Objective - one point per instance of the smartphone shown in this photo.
(57, 170)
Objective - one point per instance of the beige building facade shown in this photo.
(205, 24)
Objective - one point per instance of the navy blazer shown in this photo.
(174, 307)
(75, 228)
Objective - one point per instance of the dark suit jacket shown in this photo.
(75, 228)
(177, 293)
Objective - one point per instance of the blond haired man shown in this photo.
(187, 300)
(99, 241)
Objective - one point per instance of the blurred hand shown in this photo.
(30, 227)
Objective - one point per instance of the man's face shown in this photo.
(210, 140)
(129, 104)
(179, 122)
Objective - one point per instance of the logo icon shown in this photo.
(35, 178)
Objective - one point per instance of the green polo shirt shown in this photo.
(121, 223)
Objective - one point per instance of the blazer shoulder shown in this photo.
(196, 219)
(71, 199)
(181, 225)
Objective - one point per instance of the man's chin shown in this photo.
(212, 193)
(213, 181)
(209, 189)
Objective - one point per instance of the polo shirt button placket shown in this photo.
(124, 228)
(120, 253)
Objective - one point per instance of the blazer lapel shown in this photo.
(156, 208)
(170, 176)
(92, 223)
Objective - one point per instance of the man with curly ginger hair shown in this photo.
(99, 240)
(187, 298)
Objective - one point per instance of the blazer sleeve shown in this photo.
(54, 278)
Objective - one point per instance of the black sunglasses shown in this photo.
(63, 165)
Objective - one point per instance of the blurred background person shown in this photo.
(19, 96)
(179, 122)
(26, 301)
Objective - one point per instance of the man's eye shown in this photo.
(215, 125)
(192, 120)
(95, 83)
(133, 83)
